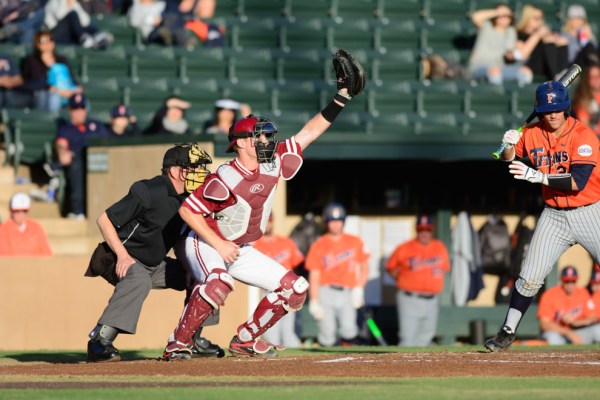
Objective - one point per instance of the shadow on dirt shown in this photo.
(72, 357)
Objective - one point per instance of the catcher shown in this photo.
(231, 209)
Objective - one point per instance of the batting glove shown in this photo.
(511, 137)
(316, 310)
(357, 296)
(523, 172)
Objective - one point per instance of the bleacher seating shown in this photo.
(277, 58)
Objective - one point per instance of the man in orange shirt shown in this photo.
(594, 288)
(283, 250)
(419, 266)
(21, 236)
(338, 270)
(566, 312)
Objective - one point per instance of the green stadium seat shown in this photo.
(32, 135)
(251, 64)
(486, 98)
(442, 36)
(253, 33)
(489, 124)
(201, 63)
(440, 125)
(401, 65)
(146, 95)
(391, 98)
(118, 25)
(397, 10)
(306, 33)
(201, 93)
(296, 101)
(227, 8)
(103, 64)
(103, 94)
(152, 62)
(446, 10)
(350, 10)
(438, 97)
(302, 9)
(300, 65)
(397, 35)
(353, 35)
(255, 93)
(254, 10)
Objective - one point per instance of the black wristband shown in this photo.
(560, 181)
(342, 99)
(331, 111)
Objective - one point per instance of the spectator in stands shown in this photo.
(146, 17)
(97, 7)
(586, 99)
(183, 24)
(122, 122)
(545, 52)
(418, 266)
(582, 43)
(48, 90)
(10, 82)
(492, 56)
(283, 250)
(71, 24)
(169, 119)
(70, 144)
(21, 236)
(566, 313)
(225, 113)
(20, 20)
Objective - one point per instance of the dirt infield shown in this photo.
(349, 365)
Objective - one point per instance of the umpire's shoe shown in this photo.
(102, 350)
(205, 348)
(501, 341)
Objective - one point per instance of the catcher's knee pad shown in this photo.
(217, 287)
(292, 290)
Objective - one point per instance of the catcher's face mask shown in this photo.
(264, 139)
(196, 170)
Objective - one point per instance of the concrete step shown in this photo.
(73, 245)
(64, 227)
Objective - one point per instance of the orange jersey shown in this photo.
(421, 267)
(578, 144)
(30, 242)
(596, 300)
(554, 304)
(281, 249)
(338, 260)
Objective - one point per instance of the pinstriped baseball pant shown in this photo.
(555, 233)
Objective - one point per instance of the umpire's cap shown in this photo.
(177, 156)
(568, 274)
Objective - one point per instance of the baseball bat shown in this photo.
(566, 79)
(376, 332)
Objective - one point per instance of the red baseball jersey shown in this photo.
(578, 144)
(421, 267)
(338, 260)
(555, 303)
(281, 249)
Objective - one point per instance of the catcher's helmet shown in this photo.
(334, 212)
(253, 126)
(551, 96)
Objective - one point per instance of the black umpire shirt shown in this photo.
(147, 219)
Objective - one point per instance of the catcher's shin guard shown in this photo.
(203, 300)
(290, 296)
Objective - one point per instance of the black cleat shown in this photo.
(204, 348)
(102, 351)
(501, 341)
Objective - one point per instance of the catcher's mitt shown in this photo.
(350, 74)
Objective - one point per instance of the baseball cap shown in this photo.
(77, 100)
(424, 222)
(576, 11)
(176, 156)
(568, 274)
(120, 110)
(595, 277)
(20, 201)
(227, 104)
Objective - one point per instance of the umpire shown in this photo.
(139, 230)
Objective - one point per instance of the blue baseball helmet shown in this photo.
(334, 212)
(551, 96)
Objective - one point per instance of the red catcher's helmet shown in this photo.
(252, 126)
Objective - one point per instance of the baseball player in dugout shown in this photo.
(230, 210)
(562, 155)
(338, 270)
(139, 231)
(567, 314)
(419, 266)
(283, 250)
